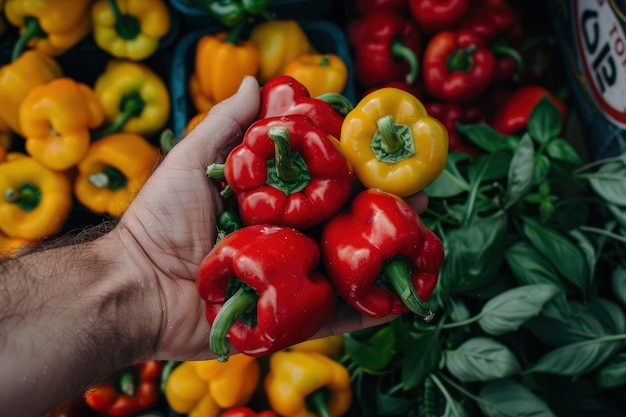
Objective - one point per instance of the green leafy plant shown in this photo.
(530, 305)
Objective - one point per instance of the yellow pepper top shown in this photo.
(32, 68)
(187, 393)
(134, 97)
(51, 26)
(330, 346)
(35, 201)
(319, 73)
(130, 29)
(56, 118)
(299, 380)
(392, 143)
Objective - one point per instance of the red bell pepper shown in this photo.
(365, 6)
(380, 256)
(263, 291)
(512, 117)
(490, 20)
(287, 172)
(386, 47)
(458, 67)
(246, 412)
(132, 390)
(449, 114)
(434, 16)
(284, 95)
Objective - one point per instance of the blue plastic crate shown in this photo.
(325, 36)
(195, 17)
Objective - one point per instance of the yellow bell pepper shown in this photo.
(300, 384)
(56, 118)
(392, 143)
(113, 171)
(278, 41)
(319, 73)
(6, 139)
(36, 201)
(222, 60)
(330, 346)
(134, 97)
(219, 384)
(187, 393)
(51, 26)
(32, 68)
(130, 29)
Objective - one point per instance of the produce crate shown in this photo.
(324, 35)
(195, 17)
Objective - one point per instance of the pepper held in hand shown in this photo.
(288, 172)
(261, 288)
(381, 257)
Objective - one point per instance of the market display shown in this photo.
(510, 289)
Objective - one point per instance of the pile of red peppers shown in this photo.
(305, 233)
(467, 60)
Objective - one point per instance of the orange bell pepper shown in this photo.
(6, 139)
(32, 68)
(319, 73)
(221, 62)
(195, 121)
(36, 201)
(113, 171)
(56, 118)
(12, 246)
(200, 102)
(49, 26)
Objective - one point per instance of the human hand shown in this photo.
(171, 226)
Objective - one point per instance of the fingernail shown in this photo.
(244, 82)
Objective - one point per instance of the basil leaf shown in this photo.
(392, 405)
(508, 398)
(521, 172)
(563, 151)
(613, 374)
(497, 166)
(484, 136)
(508, 311)
(542, 168)
(481, 359)
(474, 253)
(450, 182)
(618, 284)
(610, 183)
(544, 122)
(564, 255)
(530, 267)
(372, 354)
(416, 367)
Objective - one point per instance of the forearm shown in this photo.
(65, 322)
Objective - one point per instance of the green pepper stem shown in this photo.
(215, 172)
(166, 140)
(127, 383)
(339, 102)
(32, 29)
(391, 141)
(27, 196)
(235, 33)
(286, 170)
(242, 301)
(127, 26)
(316, 402)
(131, 108)
(400, 50)
(110, 177)
(461, 59)
(398, 274)
(502, 50)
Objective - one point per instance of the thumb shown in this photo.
(225, 124)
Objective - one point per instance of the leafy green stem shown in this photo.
(603, 233)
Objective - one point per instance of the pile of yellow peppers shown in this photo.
(292, 383)
(64, 140)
